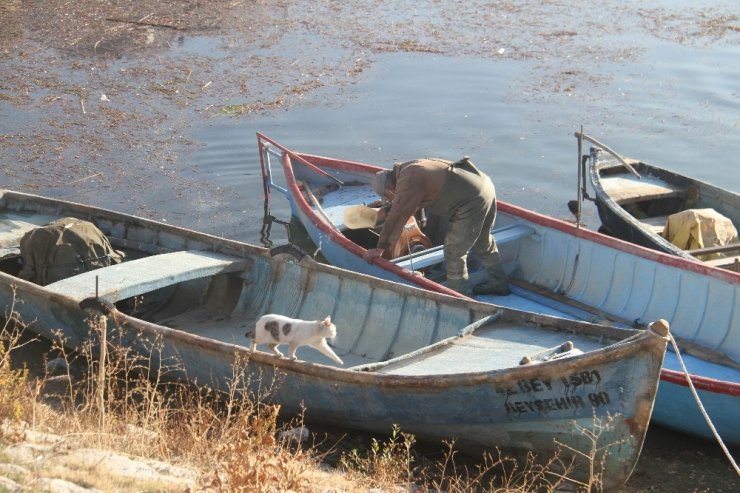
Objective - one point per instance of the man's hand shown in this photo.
(382, 215)
(372, 253)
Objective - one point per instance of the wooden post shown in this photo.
(580, 179)
(102, 324)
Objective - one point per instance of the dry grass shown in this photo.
(127, 404)
(230, 441)
(393, 463)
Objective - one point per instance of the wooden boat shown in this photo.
(555, 268)
(635, 200)
(438, 366)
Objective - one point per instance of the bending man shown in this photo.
(457, 191)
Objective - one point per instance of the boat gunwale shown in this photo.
(700, 382)
(635, 346)
(635, 341)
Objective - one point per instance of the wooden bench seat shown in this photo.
(655, 224)
(730, 263)
(629, 190)
(435, 255)
(136, 277)
(730, 247)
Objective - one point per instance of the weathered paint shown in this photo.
(438, 366)
(625, 226)
(577, 273)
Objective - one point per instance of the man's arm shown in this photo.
(408, 197)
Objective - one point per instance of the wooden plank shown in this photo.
(627, 190)
(656, 224)
(334, 203)
(600, 316)
(731, 263)
(715, 249)
(436, 255)
(136, 277)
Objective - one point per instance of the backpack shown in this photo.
(64, 248)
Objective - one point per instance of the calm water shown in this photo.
(675, 106)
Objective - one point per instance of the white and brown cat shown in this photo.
(272, 329)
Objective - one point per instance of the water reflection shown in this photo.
(267, 221)
(294, 231)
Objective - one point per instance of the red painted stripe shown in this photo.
(701, 383)
(625, 246)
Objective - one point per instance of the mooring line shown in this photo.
(701, 407)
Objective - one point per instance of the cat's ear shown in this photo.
(327, 320)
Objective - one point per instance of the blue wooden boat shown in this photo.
(635, 199)
(439, 366)
(555, 268)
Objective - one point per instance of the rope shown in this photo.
(408, 248)
(701, 407)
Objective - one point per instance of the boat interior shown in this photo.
(420, 246)
(332, 201)
(537, 285)
(648, 199)
(220, 297)
(655, 195)
(330, 198)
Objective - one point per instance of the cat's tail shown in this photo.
(249, 334)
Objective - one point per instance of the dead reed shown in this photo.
(118, 399)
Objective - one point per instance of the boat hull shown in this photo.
(615, 225)
(676, 408)
(567, 271)
(438, 366)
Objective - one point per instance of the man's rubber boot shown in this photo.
(494, 285)
(459, 285)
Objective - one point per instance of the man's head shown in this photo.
(383, 182)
